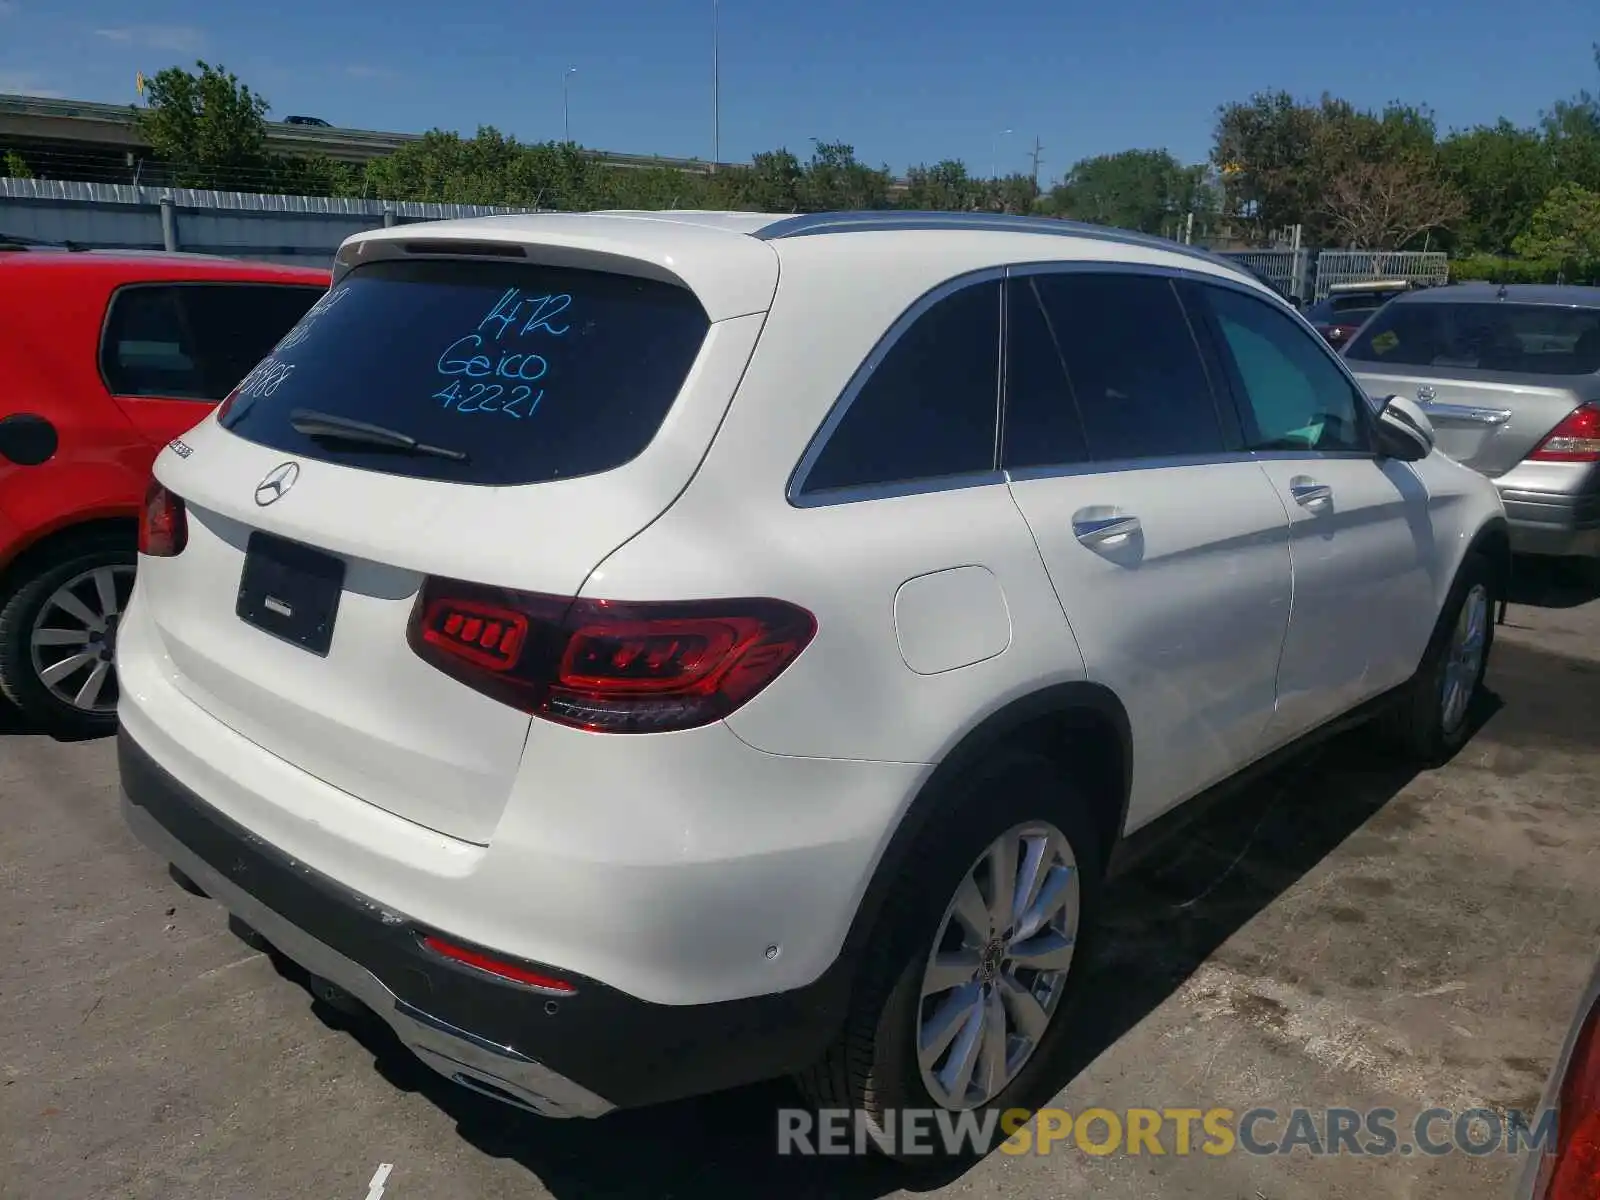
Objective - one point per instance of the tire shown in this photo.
(1423, 726)
(873, 1070)
(32, 605)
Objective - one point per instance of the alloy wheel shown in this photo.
(998, 966)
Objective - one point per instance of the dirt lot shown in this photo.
(1343, 935)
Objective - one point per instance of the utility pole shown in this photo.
(566, 108)
(994, 144)
(716, 99)
(1038, 156)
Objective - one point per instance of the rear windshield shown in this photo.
(1524, 339)
(1327, 314)
(517, 373)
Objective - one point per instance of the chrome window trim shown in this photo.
(796, 492)
(1117, 466)
(799, 498)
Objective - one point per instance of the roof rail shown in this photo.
(888, 221)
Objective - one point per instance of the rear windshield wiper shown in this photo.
(346, 429)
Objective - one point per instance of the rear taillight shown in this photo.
(606, 666)
(1576, 439)
(1571, 1169)
(163, 524)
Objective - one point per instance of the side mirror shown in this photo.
(1404, 431)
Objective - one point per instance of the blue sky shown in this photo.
(904, 82)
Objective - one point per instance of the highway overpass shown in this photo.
(106, 132)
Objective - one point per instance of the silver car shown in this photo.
(1510, 377)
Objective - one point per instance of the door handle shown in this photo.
(1467, 412)
(1309, 492)
(1101, 531)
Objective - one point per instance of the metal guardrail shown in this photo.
(114, 216)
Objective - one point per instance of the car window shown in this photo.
(522, 373)
(928, 410)
(1296, 397)
(147, 348)
(236, 325)
(1103, 367)
(1496, 335)
(195, 341)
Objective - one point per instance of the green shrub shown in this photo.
(1494, 269)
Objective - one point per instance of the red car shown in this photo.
(104, 358)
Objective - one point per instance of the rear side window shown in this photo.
(194, 341)
(1496, 335)
(929, 408)
(1104, 368)
(517, 373)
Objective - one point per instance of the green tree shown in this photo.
(835, 181)
(209, 128)
(1280, 157)
(1135, 189)
(773, 182)
(944, 187)
(15, 166)
(1016, 194)
(1502, 173)
(1565, 229)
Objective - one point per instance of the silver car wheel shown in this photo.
(1464, 658)
(999, 965)
(73, 642)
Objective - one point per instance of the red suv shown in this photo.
(104, 359)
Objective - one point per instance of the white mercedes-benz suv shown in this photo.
(637, 654)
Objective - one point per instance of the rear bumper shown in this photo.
(1553, 508)
(572, 1056)
(1549, 524)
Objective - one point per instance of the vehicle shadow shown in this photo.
(1553, 583)
(14, 724)
(1166, 916)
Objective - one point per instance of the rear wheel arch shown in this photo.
(43, 550)
(1080, 726)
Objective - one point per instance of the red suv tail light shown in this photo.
(1571, 1169)
(163, 524)
(606, 666)
(1576, 439)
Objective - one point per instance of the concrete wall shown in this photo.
(289, 229)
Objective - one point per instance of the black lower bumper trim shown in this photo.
(629, 1051)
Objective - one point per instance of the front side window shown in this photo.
(1488, 335)
(1294, 395)
(928, 410)
(503, 373)
(1104, 368)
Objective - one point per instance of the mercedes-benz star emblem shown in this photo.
(1425, 394)
(277, 484)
